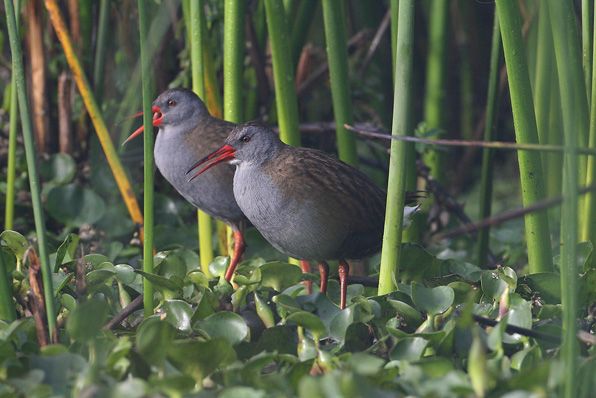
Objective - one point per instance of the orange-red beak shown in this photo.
(224, 153)
(157, 119)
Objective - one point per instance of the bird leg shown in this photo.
(344, 270)
(324, 271)
(239, 247)
(305, 267)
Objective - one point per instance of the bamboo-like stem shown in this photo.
(587, 10)
(486, 181)
(283, 73)
(530, 164)
(304, 17)
(589, 228)
(12, 156)
(100, 48)
(148, 163)
(337, 55)
(436, 72)
(95, 114)
(233, 61)
(394, 9)
(390, 255)
(196, 50)
(40, 228)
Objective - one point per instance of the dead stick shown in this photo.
(134, 305)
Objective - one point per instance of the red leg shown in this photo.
(344, 270)
(305, 267)
(324, 272)
(239, 247)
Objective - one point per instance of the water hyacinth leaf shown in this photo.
(285, 304)
(218, 266)
(358, 337)
(9, 261)
(169, 264)
(87, 319)
(411, 316)
(417, 263)
(154, 338)
(59, 371)
(408, 349)
(66, 251)
(492, 284)
(526, 359)
(278, 275)
(264, 311)
(281, 339)
(468, 271)
(200, 359)
(172, 284)
(365, 364)
(15, 242)
(245, 392)
(95, 259)
(99, 276)
(546, 284)
(74, 206)
(226, 325)
(433, 301)
(310, 322)
(178, 314)
(125, 273)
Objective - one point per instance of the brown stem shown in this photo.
(134, 305)
(36, 298)
(64, 113)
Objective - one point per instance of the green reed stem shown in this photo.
(7, 308)
(40, 228)
(396, 193)
(196, 29)
(530, 163)
(587, 10)
(394, 9)
(12, 156)
(233, 60)
(337, 55)
(148, 161)
(589, 228)
(486, 181)
(283, 73)
(100, 48)
(304, 17)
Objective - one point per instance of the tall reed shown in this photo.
(589, 230)
(402, 125)
(12, 156)
(486, 180)
(337, 56)
(30, 154)
(530, 163)
(148, 164)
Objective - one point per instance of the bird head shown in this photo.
(177, 108)
(250, 143)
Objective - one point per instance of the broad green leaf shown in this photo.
(66, 250)
(493, 284)
(15, 242)
(160, 282)
(178, 314)
(154, 338)
(434, 300)
(408, 349)
(219, 265)
(74, 206)
(87, 319)
(226, 325)
(546, 284)
(308, 321)
(200, 359)
(125, 273)
(278, 275)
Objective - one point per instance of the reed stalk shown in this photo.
(233, 61)
(38, 216)
(337, 56)
(394, 9)
(486, 180)
(304, 17)
(530, 163)
(402, 99)
(12, 156)
(100, 48)
(148, 164)
(587, 11)
(589, 230)
(436, 72)
(7, 308)
(195, 26)
(283, 73)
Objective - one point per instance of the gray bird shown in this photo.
(306, 203)
(186, 132)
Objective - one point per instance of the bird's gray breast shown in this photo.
(291, 224)
(211, 191)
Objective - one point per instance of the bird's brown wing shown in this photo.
(344, 190)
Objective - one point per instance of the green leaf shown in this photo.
(308, 321)
(60, 169)
(200, 359)
(161, 282)
(279, 276)
(15, 242)
(433, 301)
(492, 284)
(218, 266)
(178, 314)
(227, 325)
(546, 284)
(87, 319)
(410, 315)
(68, 247)
(154, 338)
(408, 349)
(125, 273)
(74, 206)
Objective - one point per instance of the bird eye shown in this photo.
(245, 138)
(171, 102)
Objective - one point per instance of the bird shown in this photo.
(306, 203)
(186, 131)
